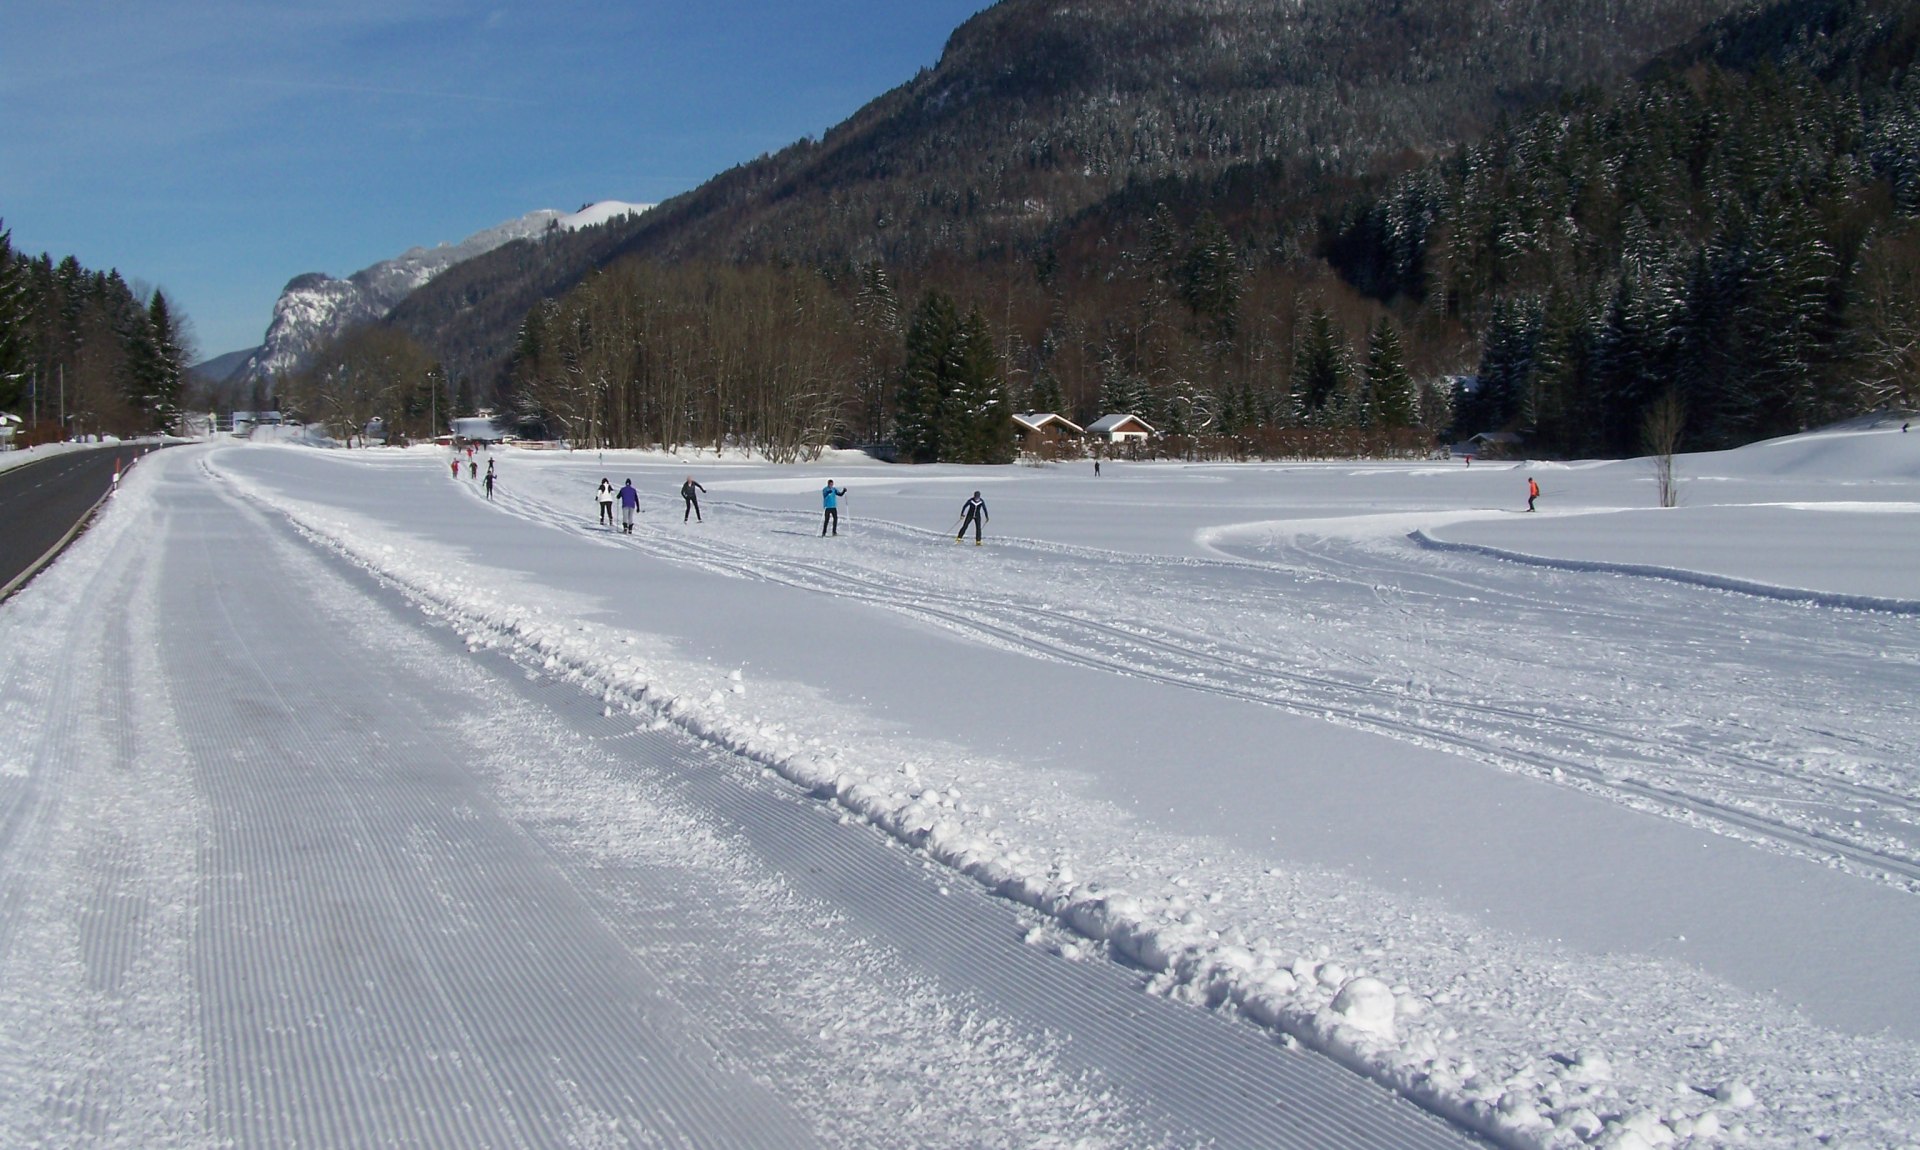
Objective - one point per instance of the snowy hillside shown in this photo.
(315, 307)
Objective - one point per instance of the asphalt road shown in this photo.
(41, 502)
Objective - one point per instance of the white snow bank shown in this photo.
(1846, 554)
(20, 457)
(1235, 537)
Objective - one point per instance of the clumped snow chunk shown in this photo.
(1736, 1094)
(1367, 1004)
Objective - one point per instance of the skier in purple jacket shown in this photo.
(629, 503)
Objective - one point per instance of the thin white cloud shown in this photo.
(365, 89)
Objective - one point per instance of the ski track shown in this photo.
(1329, 591)
(436, 897)
(95, 872)
(1608, 738)
(1207, 1079)
(384, 964)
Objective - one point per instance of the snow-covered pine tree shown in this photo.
(925, 378)
(1390, 393)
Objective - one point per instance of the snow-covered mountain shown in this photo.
(315, 307)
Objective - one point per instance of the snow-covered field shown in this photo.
(1591, 826)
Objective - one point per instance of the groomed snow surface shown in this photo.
(1592, 826)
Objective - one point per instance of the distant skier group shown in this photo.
(473, 471)
(628, 497)
(973, 513)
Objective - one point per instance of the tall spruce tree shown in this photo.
(978, 406)
(1320, 366)
(163, 370)
(1499, 401)
(1390, 392)
(1209, 280)
(15, 319)
(932, 336)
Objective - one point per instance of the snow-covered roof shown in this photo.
(1038, 421)
(1107, 424)
(477, 428)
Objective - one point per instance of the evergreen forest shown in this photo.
(83, 353)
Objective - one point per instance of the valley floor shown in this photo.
(475, 819)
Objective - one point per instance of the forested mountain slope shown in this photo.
(1347, 228)
(1736, 230)
(1039, 108)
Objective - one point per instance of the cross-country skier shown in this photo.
(973, 511)
(456, 469)
(629, 503)
(488, 482)
(1533, 492)
(830, 504)
(689, 491)
(605, 498)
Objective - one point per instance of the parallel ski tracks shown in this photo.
(1609, 761)
(1201, 1079)
(349, 883)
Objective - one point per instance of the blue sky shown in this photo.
(217, 149)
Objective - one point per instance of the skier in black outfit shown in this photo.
(688, 492)
(973, 511)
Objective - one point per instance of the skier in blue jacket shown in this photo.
(629, 503)
(830, 502)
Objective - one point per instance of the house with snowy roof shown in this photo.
(1491, 445)
(477, 429)
(1120, 429)
(1037, 429)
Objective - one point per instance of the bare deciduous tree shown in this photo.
(1660, 432)
(371, 372)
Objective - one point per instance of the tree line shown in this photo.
(1748, 243)
(1733, 232)
(83, 353)
(1045, 119)
(786, 360)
